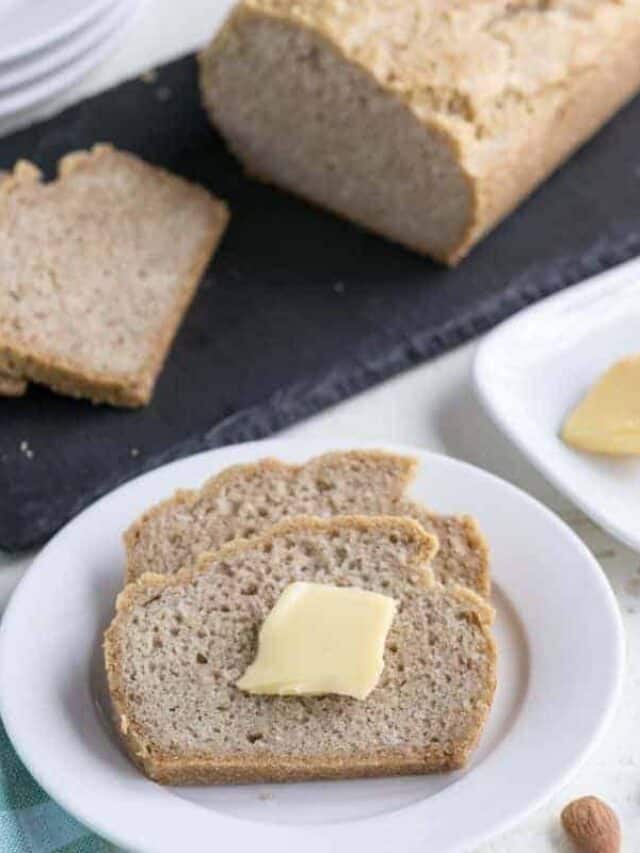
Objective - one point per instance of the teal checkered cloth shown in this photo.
(30, 822)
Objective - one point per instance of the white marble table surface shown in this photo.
(432, 406)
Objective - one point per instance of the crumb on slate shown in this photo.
(149, 76)
(135, 451)
(26, 450)
(163, 93)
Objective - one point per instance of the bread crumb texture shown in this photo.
(96, 270)
(178, 644)
(245, 500)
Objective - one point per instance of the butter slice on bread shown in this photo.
(178, 644)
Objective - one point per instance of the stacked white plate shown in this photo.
(46, 46)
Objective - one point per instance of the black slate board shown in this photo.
(298, 310)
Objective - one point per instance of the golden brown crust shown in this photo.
(12, 386)
(479, 544)
(168, 770)
(591, 99)
(267, 767)
(62, 374)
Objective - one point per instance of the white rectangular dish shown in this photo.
(534, 368)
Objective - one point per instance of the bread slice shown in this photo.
(426, 122)
(178, 644)
(244, 500)
(97, 269)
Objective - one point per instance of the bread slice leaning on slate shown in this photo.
(178, 644)
(97, 269)
(426, 121)
(244, 500)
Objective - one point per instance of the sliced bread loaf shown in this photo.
(425, 121)
(97, 269)
(178, 644)
(244, 500)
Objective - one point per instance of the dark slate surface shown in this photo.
(299, 309)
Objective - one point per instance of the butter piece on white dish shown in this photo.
(320, 638)
(607, 420)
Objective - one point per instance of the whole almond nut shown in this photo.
(592, 825)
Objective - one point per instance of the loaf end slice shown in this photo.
(424, 122)
(97, 269)
(245, 500)
(178, 644)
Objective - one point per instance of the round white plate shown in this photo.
(30, 25)
(65, 51)
(63, 78)
(560, 663)
(535, 367)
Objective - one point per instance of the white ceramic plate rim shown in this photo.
(153, 821)
(63, 78)
(85, 13)
(622, 276)
(59, 55)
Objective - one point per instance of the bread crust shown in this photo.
(167, 768)
(63, 374)
(12, 386)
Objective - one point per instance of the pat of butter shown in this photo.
(608, 418)
(321, 639)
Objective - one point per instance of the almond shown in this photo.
(592, 825)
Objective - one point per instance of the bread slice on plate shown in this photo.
(97, 269)
(178, 644)
(244, 500)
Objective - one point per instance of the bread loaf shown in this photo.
(245, 500)
(178, 644)
(426, 121)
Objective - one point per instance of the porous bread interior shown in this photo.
(244, 500)
(178, 644)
